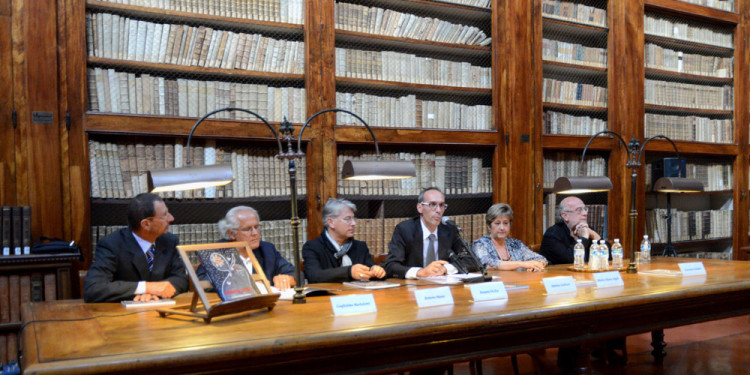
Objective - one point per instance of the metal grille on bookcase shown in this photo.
(574, 54)
(410, 65)
(142, 60)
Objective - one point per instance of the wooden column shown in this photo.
(517, 90)
(37, 145)
(741, 132)
(625, 78)
(7, 134)
(320, 86)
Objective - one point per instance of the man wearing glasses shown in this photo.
(140, 262)
(420, 247)
(559, 239)
(335, 256)
(242, 223)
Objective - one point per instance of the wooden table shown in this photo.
(308, 338)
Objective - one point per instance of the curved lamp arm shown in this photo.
(190, 136)
(583, 156)
(299, 137)
(643, 146)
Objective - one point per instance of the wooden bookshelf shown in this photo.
(694, 11)
(413, 45)
(662, 74)
(405, 87)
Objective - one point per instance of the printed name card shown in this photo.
(559, 284)
(692, 269)
(434, 296)
(488, 291)
(608, 279)
(353, 304)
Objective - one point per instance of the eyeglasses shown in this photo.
(164, 217)
(434, 205)
(348, 219)
(579, 210)
(249, 229)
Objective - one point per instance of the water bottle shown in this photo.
(579, 253)
(617, 255)
(645, 250)
(594, 256)
(603, 255)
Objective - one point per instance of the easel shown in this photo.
(207, 312)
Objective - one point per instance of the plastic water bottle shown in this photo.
(594, 256)
(603, 255)
(579, 253)
(645, 250)
(617, 255)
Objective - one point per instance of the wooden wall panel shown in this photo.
(37, 151)
(7, 134)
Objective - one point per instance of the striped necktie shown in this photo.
(150, 258)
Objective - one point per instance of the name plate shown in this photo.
(434, 296)
(608, 279)
(488, 291)
(692, 269)
(354, 304)
(559, 284)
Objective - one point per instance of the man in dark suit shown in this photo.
(242, 223)
(420, 247)
(335, 256)
(140, 262)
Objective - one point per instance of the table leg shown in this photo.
(657, 342)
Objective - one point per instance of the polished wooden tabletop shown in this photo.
(308, 338)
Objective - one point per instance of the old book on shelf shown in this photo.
(7, 233)
(17, 227)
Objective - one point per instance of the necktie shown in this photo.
(430, 250)
(150, 258)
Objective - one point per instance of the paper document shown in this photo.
(161, 302)
(372, 284)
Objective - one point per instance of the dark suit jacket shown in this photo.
(406, 246)
(557, 245)
(270, 261)
(119, 264)
(322, 267)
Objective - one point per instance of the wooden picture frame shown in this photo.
(263, 299)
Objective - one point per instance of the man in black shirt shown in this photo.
(559, 239)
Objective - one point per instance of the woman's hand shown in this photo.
(533, 266)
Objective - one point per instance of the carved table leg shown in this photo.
(657, 342)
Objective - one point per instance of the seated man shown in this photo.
(140, 262)
(335, 256)
(559, 239)
(242, 223)
(421, 247)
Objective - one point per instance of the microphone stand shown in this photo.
(468, 249)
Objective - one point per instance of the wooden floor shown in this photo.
(719, 347)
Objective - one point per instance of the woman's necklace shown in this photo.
(502, 251)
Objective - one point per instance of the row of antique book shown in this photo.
(658, 57)
(688, 31)
(15, 227)
(409, 68)
(388, 22)
(689, 225)
(118, 170)
(690, 128)
(572, 11)
(563, 123)
(122, 92)
(410, 112)
(688, 95)
(573, 93)
(566, 163)
(573, 53)
(452, 173)
(715, 176)
(286, 11)
(119, 37)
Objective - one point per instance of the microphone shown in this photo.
(447, 221)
